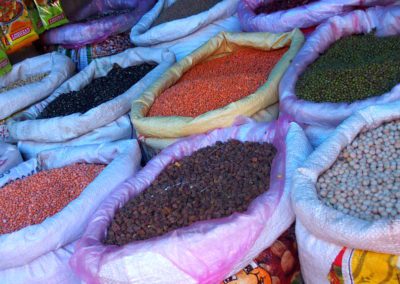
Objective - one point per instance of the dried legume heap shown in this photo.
(183, 9)
(365, 180)
(20, 83)
(216, 83)
(99, 91)
(31, 200)
(281, 5)
(213, 182)
(354, 68)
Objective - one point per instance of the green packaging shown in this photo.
(34, 15)
(5, 65)
(51, 13)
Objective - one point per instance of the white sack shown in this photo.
(9, 157)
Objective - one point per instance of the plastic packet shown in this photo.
(16, 25)
(5, 65)
(34, 14)
(51, 13)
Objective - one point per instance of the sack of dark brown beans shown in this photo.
(169, 20)
(348, 63)
(29, 82)
(97, 21)
(93, 98)
(279, 16)
(199, 211)
(46, 202)
(346, 197)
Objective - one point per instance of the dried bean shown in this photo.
(365, 179)
(99, 91)
(21, 83)
(213, 182)
(281, 5)
(216, 83)
(31, 200)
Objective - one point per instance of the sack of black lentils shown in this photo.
(350, 62)
(346, 197)
(46, 203)
(277, 16)
(199, 211)
(95, 97)
(29, 82)
(173, 19)
(9, 157)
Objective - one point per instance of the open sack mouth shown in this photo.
(10, 11)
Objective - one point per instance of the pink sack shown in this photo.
(300, 17)
(205, 252)
(386, 21)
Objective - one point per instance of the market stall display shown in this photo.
(167, 111)
(174, 19)
(28, 236)
(89, 112)
(381, 22)
(208, 251)
(277, 16)
(346, 199)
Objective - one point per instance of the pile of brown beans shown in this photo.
(214, 182)
(31, 200)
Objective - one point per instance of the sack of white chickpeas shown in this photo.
(346, 198)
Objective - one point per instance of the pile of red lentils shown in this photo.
(31, 200)
(216, 83)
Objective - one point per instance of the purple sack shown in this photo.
(76, 35)
(300, 17)
(386, 21)
(208, 251)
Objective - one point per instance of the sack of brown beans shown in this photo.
(348, 63)
(169, 20)
(199, 211)
(97, 96)
(9, 157)
(46, 202)
(97, 21)
(279, 16)
(29, 82)
(346, 197)
(199, 93)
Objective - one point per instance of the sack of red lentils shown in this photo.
(173, 19)
(346, 197)
(206, 229)
(198, 93)
(96, 96)
(9, 157)
(350, 62)
(96, 24)
(276, 16)
(47, 201)
(29, 82)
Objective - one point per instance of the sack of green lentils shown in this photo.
(197, 94)
(346, 197)
(29, 82)
(350, 62)
(169, 20)
(96, 96)
(200, 236)
(47, 201)
(9, 157)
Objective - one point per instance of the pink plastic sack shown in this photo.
(76, 35)
(300, 17)
(386, 21)
(205, 252)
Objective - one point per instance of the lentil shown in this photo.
(20, 83)
(31, 200)
(281, 5)
(213, 182)
(99, 91)
(365, 180)
(354, 68)
(183, 9)
(216, 83)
